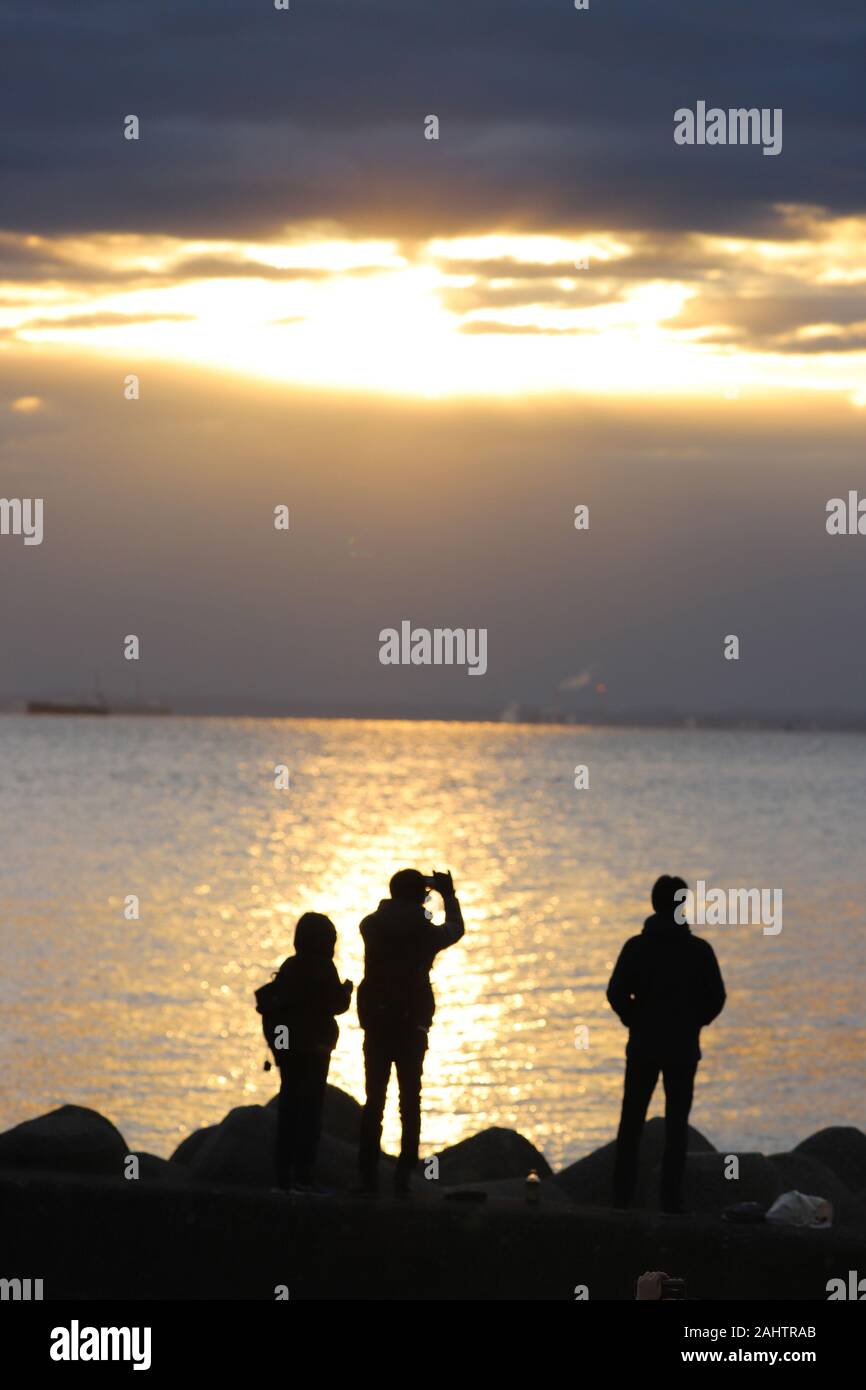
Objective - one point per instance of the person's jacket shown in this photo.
(400, 945)
(304, 997)
(666, 986)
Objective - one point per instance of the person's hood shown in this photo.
(657, 925)
(315, 936)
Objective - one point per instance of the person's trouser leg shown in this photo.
(679, 1083)
(410, 1065)
(286, 1120)
(312, 1079)
(641, 1075)
(377, 1069)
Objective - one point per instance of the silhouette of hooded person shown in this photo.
(299, 1008)
(666, 986)
(395, 1010)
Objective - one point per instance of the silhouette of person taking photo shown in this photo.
(299, 1008)
(666, 986)
(395, 1010)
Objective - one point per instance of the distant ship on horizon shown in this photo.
(93, 707)
(97, 704)
(66, 707)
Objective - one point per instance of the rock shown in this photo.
(71, 1139)
(842, 1149)
(239, 1150)
(706, 1189)
(190, 1146)
(152, 1168)
(762, 1178)
(590, 1180)
(492, 1154)
(337, 1165)
(342, 1117)
(856, 1213)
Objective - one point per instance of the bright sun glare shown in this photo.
(326, 311)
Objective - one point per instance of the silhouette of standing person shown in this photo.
(298, 1009)
(666, 986)
(395, 1010)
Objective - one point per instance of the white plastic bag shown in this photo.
(797, 1209)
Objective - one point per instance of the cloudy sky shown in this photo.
(432, 350)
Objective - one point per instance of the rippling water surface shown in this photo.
(152, 1022)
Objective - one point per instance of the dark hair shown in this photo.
(664, 894)
(408, 884)
(315, 935)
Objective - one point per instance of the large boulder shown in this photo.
(842, 1149)
(189, 1147)
(239, 1150)
(71, 1139)
(590, 1180)
(492, 1154)
(800, 1172)
(856, 1212)
(760, 1178)
(708, 1190)
(152, 1168)
(337, 1164)
(342, 1115)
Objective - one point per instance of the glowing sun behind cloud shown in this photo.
(490, 315)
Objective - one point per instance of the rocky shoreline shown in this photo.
(94, 1220)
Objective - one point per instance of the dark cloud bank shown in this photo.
(550, 118)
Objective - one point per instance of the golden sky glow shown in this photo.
(487, 315)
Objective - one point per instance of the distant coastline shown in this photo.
(516, 715)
